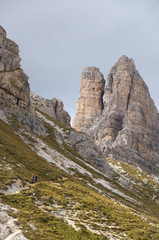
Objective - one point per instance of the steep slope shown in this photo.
(79, 194)
(72, 199)
(54, 108)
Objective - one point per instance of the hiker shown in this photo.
(35, 179)
(32, 179)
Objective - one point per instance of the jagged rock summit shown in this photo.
(128, 128)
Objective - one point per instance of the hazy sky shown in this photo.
(59, 38)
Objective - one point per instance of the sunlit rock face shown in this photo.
(128, 127)
(90, 103)
(14, 86)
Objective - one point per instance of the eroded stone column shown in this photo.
(90, 103)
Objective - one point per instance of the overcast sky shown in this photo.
(59, 38)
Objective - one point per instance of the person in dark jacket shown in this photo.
(36, 179)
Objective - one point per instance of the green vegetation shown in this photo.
(55, 121)
(66, 151)
(133, 172)
(39, 204)
(145, 188)
(17, 160)
(45, 206)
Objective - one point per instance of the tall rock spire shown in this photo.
(128, 127)
(90, 103)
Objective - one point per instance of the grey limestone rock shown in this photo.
(52, 107)
(14, 86)
(85, 146)
(128, 128)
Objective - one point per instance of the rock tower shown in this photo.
(90, 103)
(128, 128)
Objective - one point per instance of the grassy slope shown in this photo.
(97, 211)
(141, 193)
(17, 160)
(145, 188)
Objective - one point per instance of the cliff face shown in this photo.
(90, 104)
(73, 175)
(53, 107)
(128, 127)
(14, 87)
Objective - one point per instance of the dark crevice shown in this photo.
(128, 100)
(18, 100)
(56, 105)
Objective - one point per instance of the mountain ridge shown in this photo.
(81, 193)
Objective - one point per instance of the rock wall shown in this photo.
(90, 103)
(15, 91)
(14, 86)
(53, 107)
(128, 128)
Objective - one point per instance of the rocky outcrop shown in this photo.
(8, 225)
(53, 107)
(90, 103)
(128, 128)
(14, 86)
(86, 147)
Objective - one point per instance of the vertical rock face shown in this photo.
(14, 87)
(128, 102)
(90, 103)
(128, 128)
